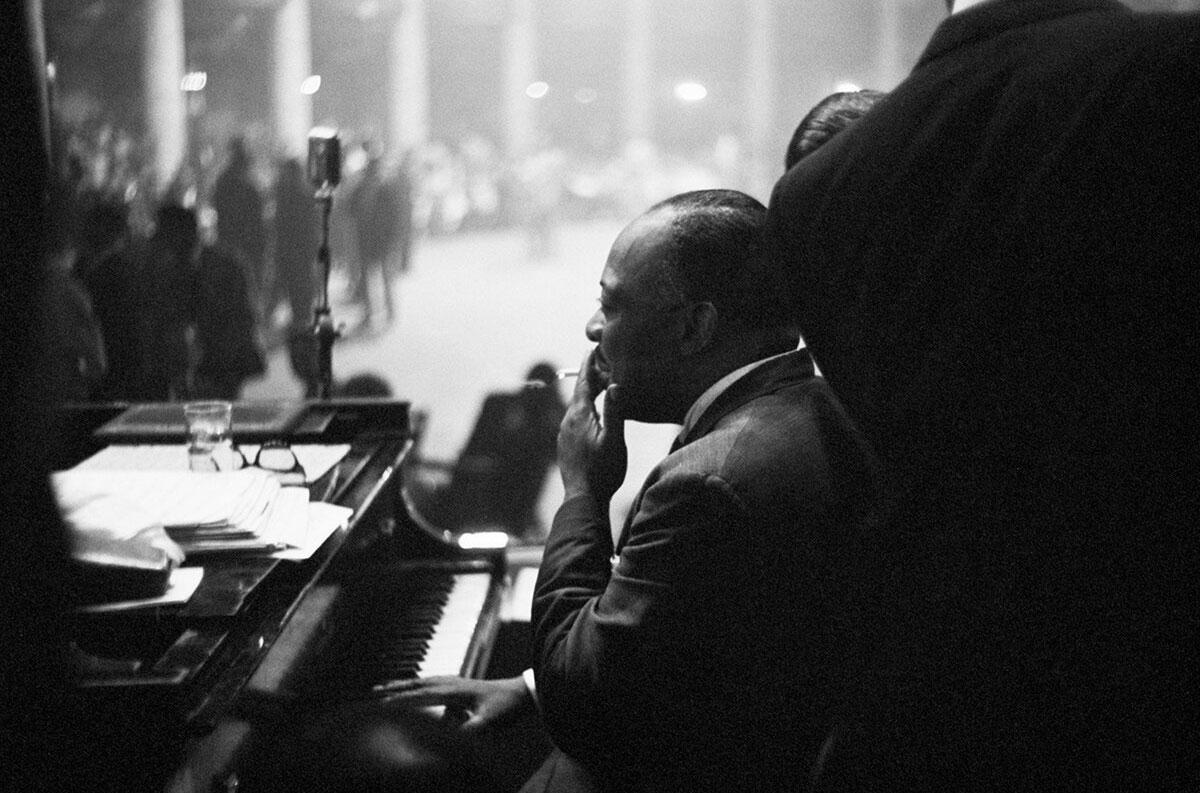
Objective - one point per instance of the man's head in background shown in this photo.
(827, 118)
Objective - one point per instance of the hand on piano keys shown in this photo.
(349, 643)
(480, 704)
(332, 708)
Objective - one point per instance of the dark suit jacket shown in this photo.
(702, 659)
(996, 270)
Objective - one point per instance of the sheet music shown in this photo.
(234, 505)
(183, 584)
(321, 520)
(241, 511)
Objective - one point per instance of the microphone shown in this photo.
(324, 159)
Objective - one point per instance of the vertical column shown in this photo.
(408, 73)
(636, 71)
(520, 64)
(890, 69)
(166, 106)
(292, 62)
(759, 91)
(35, 26)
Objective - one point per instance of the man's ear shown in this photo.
(698, 327)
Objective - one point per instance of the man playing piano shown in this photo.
(705, 653)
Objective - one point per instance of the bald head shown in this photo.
(712, 250)
(688, 294)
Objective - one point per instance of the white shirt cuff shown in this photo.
(531, 684)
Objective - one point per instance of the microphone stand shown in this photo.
(324, 331)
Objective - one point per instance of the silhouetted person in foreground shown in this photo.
(41, 732)
(997, 271)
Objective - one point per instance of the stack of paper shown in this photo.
(210, 512)
(235, 511)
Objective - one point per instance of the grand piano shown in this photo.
(270, 663)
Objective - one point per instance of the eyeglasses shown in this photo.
(276, 458)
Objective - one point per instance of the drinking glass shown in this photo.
(210, 442)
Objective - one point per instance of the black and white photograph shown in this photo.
(600, 396)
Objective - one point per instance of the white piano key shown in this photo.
(452, 635)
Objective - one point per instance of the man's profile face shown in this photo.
(637, 346)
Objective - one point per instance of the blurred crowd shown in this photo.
(180, 292)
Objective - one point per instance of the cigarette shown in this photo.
(561, 374)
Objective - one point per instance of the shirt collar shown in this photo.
(963, 5)
(710, 395)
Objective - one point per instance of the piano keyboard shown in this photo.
(347, 641)
(451, 637)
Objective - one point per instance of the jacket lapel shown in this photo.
(779, 373)
(765, 379)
